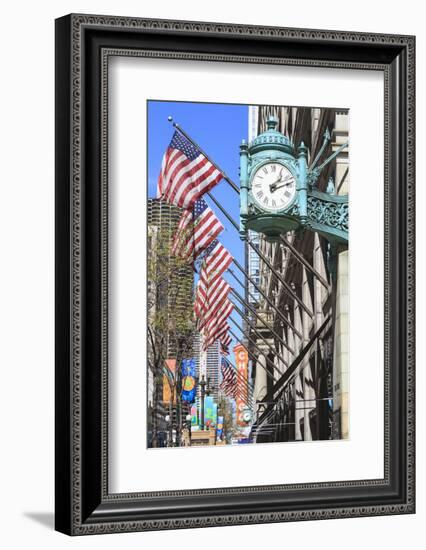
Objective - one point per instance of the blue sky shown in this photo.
(218, 129)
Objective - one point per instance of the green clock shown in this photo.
(279, 192)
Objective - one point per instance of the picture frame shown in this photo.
(84, 44)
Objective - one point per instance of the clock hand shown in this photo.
(274, 183)
(280, 177)
(283, 185)
(273, 186)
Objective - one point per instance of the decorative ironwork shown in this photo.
(331, 212)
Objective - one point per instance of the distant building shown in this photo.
(208, 364)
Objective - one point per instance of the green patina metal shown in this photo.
(308, 208)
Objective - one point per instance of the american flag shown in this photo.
(228, 384)
(208, 300)
(232, 383)
(210, 337)
(216, 261)
(186, 174)
(197, 229)
(224, 344)
(211, 287)
(217, 326)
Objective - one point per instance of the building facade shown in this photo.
(300, 366)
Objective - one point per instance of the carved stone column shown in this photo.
(341, 350)
(341, 330)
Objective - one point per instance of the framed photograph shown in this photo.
(234, 274)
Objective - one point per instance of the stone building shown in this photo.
(311, 400)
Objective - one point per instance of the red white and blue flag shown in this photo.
(224, 344)
(217, 326)
(197, 229)
(208, 300)
(233, 384)
(212, 290)
(216, 261)
(228, 385)
(186, 174)
(216, 332)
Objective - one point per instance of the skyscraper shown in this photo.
(169, 310)
(207, 364)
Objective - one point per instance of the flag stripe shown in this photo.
(205, 232)
(214, 304)
(214, 328)
(203, 186)
(191, 171)
(201, 179)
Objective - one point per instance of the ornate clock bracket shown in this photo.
(323, 212)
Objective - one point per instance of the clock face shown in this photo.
(273, 186)
(247, 416)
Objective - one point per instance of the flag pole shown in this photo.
(259, 335)
(265, 296)
(259, 317)
(195, 144)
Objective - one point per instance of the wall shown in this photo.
(26, 301)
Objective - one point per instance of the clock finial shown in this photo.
(330, 187)
(272, 122)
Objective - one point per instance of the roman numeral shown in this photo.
(259, 194)
(265, 170)
(287, 194)
(258, 185)
(265, 200)
(274, 204)
(273, 168)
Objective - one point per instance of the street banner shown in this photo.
(241, 363)
(209, 411)
(219, 427)
(168, 378)
(194, 415)
(189, 387)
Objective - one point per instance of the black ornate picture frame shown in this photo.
(84, 43)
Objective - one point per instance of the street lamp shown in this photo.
(188, 420)
(168, 420)
(203, 384)
(205, 390)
